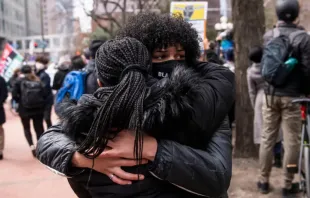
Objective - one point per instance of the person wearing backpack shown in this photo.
(286, 70)
(81, 80)
(3, 97)
(40, 65)
(91, 78)
(31, 95)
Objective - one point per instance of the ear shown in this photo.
(99, 83)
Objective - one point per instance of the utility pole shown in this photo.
(42, 26)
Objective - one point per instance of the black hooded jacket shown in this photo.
(191, 161)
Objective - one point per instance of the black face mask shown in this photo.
(164, 69)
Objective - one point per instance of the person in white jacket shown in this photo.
(256, 93)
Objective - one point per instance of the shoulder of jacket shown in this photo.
(2, 79)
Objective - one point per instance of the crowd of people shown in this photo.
(142, 116)
(32, 91)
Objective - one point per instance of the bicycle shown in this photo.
(304, 156)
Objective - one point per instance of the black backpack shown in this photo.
(276, 53)
(32, 94)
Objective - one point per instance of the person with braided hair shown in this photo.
(187, 154)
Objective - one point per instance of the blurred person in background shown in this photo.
(82, 79)
(230, 60)
(3, 97)
(77, 63)
(64, 67)
(31, 94)
(211, 55)
(86, 55)
(256, 92)
(40, 66)
(227, 44)
(11, 84)
(278, 110)
(14, 78)
(91, 78)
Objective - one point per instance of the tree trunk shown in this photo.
(249, 27)
(305, 14)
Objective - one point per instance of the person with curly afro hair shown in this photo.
(175, 167)
(164, 36)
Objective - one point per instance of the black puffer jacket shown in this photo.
(185, 171)
(298, 81)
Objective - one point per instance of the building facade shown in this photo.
(58, 16)
(12, 18)
(19, 18)
(33, 17)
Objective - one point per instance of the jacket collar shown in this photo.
(283, 24)
(40, 72)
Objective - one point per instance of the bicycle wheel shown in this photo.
(307, 170)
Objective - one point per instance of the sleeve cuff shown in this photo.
(162, 163)
(70, 170)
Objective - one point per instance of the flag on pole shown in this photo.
(10, 61)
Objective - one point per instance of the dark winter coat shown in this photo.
(12, 81)
(46, 80)
(298, 81)
(60, 75)
(3, 97)
(193, 157)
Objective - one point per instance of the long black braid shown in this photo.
(121, 63)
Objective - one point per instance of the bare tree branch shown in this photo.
(114, 13)
(110, 14)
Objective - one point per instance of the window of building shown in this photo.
(3, 25)
(2, 6)
(16, 14)
(28, 44)
(19, 44)
(56, 42)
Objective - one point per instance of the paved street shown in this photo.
(21, 175)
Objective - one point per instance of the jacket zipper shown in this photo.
(180, 186)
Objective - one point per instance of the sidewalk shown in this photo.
(21, 175)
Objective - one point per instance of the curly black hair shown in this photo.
(160, 30)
